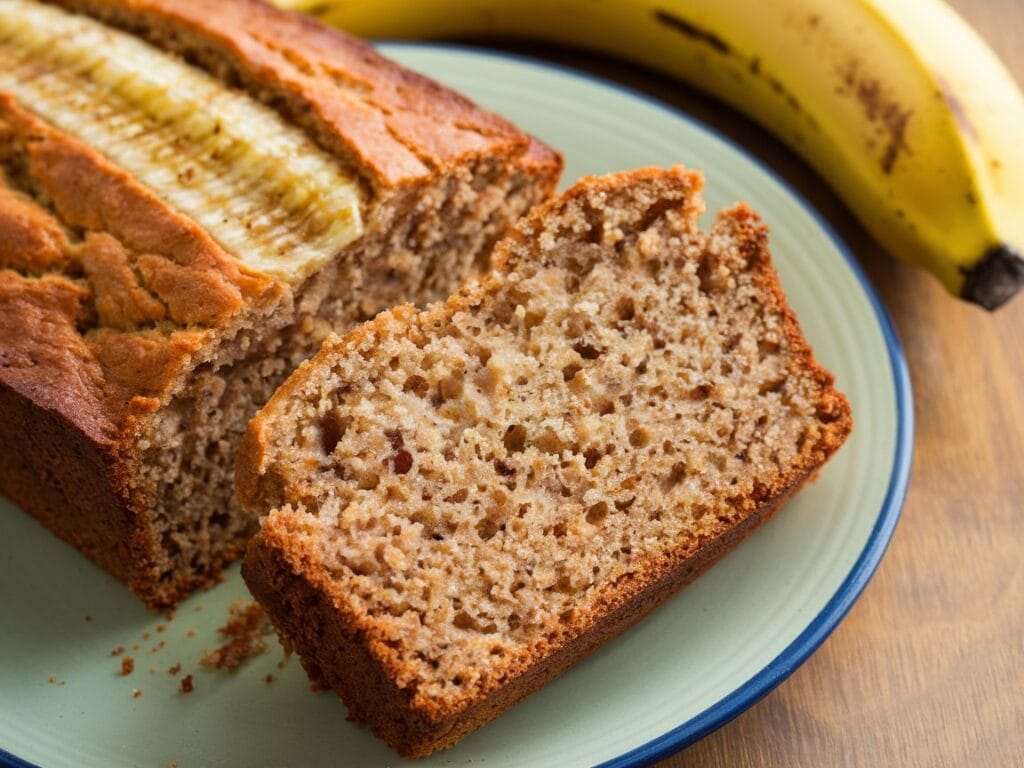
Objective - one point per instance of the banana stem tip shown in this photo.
(996, 278)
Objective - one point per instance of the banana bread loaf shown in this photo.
(462, 502)
(192, 195)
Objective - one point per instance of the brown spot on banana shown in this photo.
(897, 142)
(995, 278)
(879, 108)
(692, 31)
(706, 37)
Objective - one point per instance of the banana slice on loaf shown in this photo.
(192, 196)
(259, 186)
(461, 502)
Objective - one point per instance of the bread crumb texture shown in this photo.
(477, 484)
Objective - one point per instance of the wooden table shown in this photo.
(928, 667)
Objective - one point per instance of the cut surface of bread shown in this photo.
(193, 195)
(461, 502)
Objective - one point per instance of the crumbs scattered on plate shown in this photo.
(245, 632)
(244, 635)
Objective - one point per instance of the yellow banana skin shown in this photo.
(898, 104)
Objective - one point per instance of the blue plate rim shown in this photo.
(797, 652)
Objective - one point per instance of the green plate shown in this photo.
(715, 649)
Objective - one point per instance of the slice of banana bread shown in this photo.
(466, 500)
(192, 196)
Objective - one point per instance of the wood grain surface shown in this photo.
(928, 667)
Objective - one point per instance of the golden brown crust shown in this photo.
(38, 323)
(31, 241)
(140, 276)
(284, 570)
(85, 488)
(543, 162)
(106, 298)
(393, 125)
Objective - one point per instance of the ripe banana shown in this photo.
(897, 103)
(258, 185)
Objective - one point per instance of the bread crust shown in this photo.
(392, 125)
(342, 647)
(88, 489)
(109, 298)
